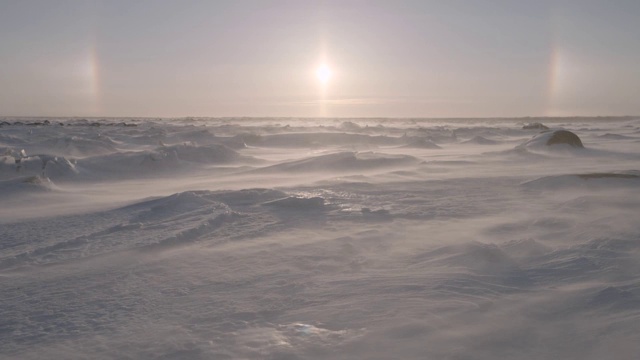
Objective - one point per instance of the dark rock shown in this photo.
(565, 137)
(535, 126)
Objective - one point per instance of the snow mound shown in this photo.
(615, 297)
(589, 180)
(480, 140)
(152, 225)
(616, 137)
(476, 256)
(26, 184)
(608, 257)
(525, 249)
(181, 204)
(37, 165)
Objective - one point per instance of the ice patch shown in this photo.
(292, 341)
(297, 203)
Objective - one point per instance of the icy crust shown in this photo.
(293, 340)
(297, 203)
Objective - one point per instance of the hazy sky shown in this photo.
(259, 58)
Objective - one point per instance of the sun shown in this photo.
(323, 73)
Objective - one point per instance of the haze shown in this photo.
(260, 58)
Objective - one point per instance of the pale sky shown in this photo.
(421, 58)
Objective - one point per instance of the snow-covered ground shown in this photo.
(318, 239)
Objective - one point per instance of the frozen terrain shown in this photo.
(319, 239)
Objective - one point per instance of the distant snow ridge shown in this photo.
(190, 152)
(616, 137)
(76, 146)
(201, 136)
(344, 161)
(587, 180)
(318, 139)
(162, 160)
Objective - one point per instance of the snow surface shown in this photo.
(318, 239)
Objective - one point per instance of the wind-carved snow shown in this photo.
(319, 239)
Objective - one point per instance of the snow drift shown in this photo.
(319, 238)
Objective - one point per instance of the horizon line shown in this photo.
(321, 117)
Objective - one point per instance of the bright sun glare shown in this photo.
(323, 73)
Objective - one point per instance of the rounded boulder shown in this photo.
(564, 137)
